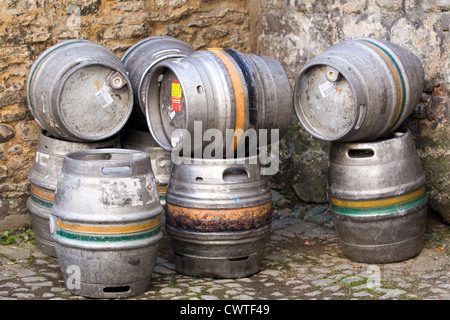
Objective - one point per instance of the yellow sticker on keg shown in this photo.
(175, 98)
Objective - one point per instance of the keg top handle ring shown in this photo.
(108, 161)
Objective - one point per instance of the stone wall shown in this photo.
(291, 31)
(28, 27)
(295, 31)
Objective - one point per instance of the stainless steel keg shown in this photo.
(43, 176)
(160, 158)
(218, 216)
(377, 198)
(106, 222)
(141, 57)
(223, 89)
(78, 90)
(358, 90)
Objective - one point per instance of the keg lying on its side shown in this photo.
(78, 90)
(218, 217)
(377, 198)
(106, 222)
(223, 89)
(141, 57)
(43, 177)
(358, 90)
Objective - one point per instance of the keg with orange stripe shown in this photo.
(218, 216)
(43, 176)
(223, 89)
(106, 222)
(377, 198)
(358, 90)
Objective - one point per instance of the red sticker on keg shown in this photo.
(175, 98)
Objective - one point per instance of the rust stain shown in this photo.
(213, 220)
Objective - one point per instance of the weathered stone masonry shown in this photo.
(291, 31)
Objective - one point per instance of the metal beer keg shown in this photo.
(377, 198)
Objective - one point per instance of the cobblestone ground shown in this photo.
(303, 261)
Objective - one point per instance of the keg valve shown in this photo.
(332, 74)
(115, 80)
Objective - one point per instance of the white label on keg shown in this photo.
(104, 97)
(327, 88)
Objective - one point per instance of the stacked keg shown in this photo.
(218, 204)
(356, 95)
(96, 210)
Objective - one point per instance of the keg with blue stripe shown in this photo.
(106, 222)
(358, 90)
(377, 197)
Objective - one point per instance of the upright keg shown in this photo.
(43, 176)
(377, 198)
(220, 89)
(79, 91)
(218, 216)
(358, 90)
(140, 58)
(106, 222)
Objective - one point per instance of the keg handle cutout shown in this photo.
(97, 156)
(361, 116)
(116, 170)
(235, 175)
(361, 153)
(166, 52)
(68, 70)
(119, 289)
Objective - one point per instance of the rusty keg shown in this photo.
(377, 198)
(218, 216)
(223, 89)
(358, 90)
(79, 91)
(141, 57)
(43, 176)
(105, 222)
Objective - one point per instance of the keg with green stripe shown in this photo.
(358, 90)
(78, 90)
(43, 176)
(106, 221)
(377, 198)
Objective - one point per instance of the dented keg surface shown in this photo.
(218, 216)
(43, 176)
(222, 89)
(106, 222)
(358, 90)
(377, 198)
(79, 91)
(140, 58)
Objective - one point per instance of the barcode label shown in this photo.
(327, 88)
(104, 97)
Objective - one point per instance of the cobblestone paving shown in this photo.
(303, 261)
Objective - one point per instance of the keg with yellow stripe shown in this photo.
(358, 90)
(106, 222)
(377, 198)
(222, 89)
(218, 216)
(43, 176)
